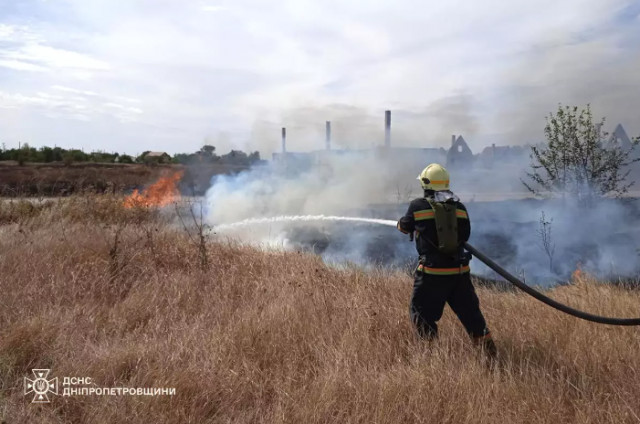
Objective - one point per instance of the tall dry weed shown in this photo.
(263, 336)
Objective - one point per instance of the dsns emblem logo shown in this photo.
(40, 386)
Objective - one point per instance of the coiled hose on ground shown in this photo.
(541, 297)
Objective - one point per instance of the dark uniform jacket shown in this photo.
(420, 220)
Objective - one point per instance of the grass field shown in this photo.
(129, 299)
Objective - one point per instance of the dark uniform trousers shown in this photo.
(431, 292)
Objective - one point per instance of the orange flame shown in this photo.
(578, 274)
(161, 193)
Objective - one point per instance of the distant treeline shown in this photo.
(45, 154)
(207, 155)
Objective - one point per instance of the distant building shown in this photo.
(413, 154)
(157, 157)
(620, 138)
(501, 155)
(459, 154)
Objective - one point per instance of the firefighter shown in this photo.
(440, 224)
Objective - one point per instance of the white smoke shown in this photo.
(330, 184)
(360, 190)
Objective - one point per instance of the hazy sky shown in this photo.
(167, 75)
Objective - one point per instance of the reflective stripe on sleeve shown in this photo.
(461, 214)
(424, 214)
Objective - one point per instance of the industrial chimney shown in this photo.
(328, 135)
(284, 140)
(387, 128)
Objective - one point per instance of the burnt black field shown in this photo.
(603, 239)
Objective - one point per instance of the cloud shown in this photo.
(212, 8)
(19, 65)
(71, 103)
(74, 90)
(55, 59)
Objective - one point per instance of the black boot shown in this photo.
(487, 345)
(489, 348)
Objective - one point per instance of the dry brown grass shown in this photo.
(280, 337)
(56, 179)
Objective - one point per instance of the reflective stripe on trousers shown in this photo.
(443, 271)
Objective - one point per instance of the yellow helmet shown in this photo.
(434, 177)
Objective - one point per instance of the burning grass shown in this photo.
(162, 192)
(90, 288)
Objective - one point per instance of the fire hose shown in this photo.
(547, 300)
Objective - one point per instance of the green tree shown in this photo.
(124, 158)
(254, 157)
(185, 158)
(67, 158)
(23, 154)
(576, 161)
(47, 154)
(208, 150)
(102, 157)
(140, 159)
(79, 155)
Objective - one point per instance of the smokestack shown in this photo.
(453, 139)
(284, 140)
(387, 128)
(328, 133)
